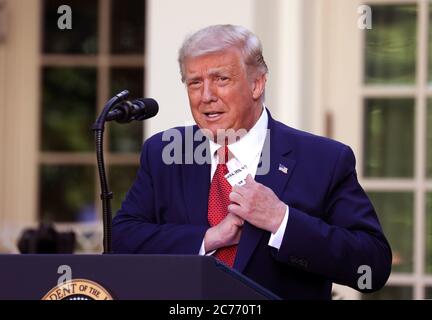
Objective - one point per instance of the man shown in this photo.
(298, 222)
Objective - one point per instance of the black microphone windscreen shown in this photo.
(151, 108)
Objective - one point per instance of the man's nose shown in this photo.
(208, 94)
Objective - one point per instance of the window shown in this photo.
(397, 133)
(81, 69)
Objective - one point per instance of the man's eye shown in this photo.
(223, 79)
(194, 84)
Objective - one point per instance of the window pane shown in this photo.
(131, 79)
(67, 193)
(395, 212)
(389, 138)
(127, 26)
(127, 137)
(82, 38)
(68, 111)
(121, 178)
(390, 293)
(429, 139)
(391, 45)
(429, 232)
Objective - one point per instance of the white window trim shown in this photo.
(348, 51)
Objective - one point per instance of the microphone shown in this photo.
(139, 109)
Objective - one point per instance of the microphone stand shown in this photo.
(98, 127)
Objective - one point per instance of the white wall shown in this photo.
(19, 99)
(278, 24)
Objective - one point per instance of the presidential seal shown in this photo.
(78, 289)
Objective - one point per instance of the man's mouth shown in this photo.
(213, 115)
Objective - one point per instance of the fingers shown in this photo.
(224, 234)
(235, 218)
(236, 197)
(246, 189)
(243, 190)
(239, 222)
(249, 179)
(237, 210)
(238, 189)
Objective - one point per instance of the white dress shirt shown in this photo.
(247, 151)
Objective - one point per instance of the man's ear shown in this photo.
(258, 86)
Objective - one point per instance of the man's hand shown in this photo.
(224, 234)
(258, 205)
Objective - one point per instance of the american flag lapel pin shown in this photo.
(283, 169)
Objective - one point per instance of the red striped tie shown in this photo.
(218, 203)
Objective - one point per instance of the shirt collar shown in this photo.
(251, 144)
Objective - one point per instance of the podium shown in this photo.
(155, 277)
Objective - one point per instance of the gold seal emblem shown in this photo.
(78, 289)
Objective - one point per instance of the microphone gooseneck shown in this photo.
(122, 111)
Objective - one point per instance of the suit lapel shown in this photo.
(196, 183)
(279, 171)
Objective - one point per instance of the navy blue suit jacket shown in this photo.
(332, 227)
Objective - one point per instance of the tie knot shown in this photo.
(223, 154)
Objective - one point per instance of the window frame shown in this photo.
(103, 61)
(419, 185)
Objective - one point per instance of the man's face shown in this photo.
(220, 93)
